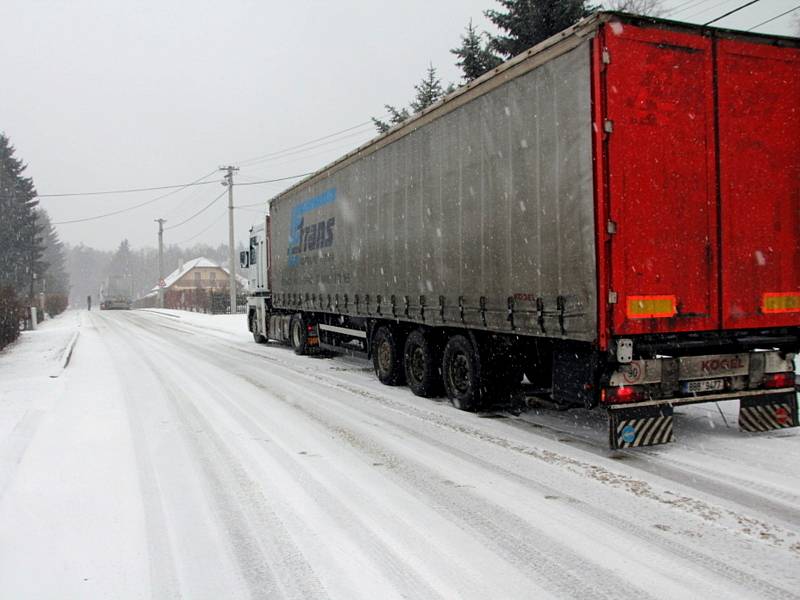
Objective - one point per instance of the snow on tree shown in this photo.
(474, 56)
(525, 23)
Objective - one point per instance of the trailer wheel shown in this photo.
(422, 362)
(387, 357)
(460, 368)
(257, 337)
(297, 335)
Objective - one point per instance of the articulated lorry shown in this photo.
(614, 214)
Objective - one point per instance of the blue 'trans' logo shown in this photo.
(304, 236)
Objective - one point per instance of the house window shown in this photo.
(197, 281)
(213, 277)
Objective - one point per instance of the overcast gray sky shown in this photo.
(113, 94)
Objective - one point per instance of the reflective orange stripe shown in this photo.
(645, 307)
(780, 302)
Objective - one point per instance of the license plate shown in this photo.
(704, 385)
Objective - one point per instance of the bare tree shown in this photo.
(651, 8)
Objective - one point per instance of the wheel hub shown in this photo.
(459, 373)
(417, 364)
(385, 356)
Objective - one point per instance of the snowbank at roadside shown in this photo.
(233, 325)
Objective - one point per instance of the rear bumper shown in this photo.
(650, 423)
(740, 395)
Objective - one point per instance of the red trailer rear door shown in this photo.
(759, 133)
(662, 184)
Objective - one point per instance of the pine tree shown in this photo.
(528, 22)
(21, 244)
(474, 56)
(651, 8)
(54, 256)
(396, 116)
(428, 92)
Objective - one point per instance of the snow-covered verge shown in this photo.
(175, 457)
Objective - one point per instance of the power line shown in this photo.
(249, 205)
(256, 159)
(706, 9)
(129, 208)
(301, 151)
(730, 12)
(783, 14)
(202, 231)
(275, 180)
(175, 191)
(134, 190)
(198, 213)
(333, 152)
(689, 5)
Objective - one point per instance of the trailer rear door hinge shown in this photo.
(611, 227)
(608, 126)
(612, 297)
(606, 56)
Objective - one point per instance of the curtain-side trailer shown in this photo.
(614, 213)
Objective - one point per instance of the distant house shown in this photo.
(199, 284)
(200, 273)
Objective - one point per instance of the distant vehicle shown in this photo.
(115, 293)
(615, 214)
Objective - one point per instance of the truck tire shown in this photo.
(257, 337)
(297, 335)
(387, 357)
(422, 360)
(461, 373)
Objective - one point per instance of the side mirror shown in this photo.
(244, 259)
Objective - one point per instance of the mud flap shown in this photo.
(765, 413)
(635, 426)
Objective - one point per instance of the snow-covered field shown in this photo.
(173, 457)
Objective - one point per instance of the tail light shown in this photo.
(623, 394)
(779, 380)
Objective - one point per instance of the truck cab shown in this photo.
(256, 259)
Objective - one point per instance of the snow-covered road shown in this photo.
(174, 457)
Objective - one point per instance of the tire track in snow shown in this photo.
(161, 561)
(557, 569)
(766, 499)
(271, 565)
(675, 548)
(393, 565)
(15, 446)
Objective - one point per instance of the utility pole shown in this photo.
(160, 261)
(231, 250)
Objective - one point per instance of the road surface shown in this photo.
(175, 458)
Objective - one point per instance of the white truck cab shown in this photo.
(257, 260)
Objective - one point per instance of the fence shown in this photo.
(196, 300)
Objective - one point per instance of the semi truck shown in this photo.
(613, 215)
